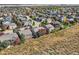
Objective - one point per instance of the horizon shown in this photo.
(4, 5)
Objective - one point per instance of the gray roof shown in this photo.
(36, 29)
(49, 26)
(27, 33)
(12, 24)
(9, 36)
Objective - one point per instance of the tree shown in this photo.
(17, 21)
(5, 44)
(14, 30)
(1, 46)
(33, 24)
(43, 23)
(21, 36)
(33, 17)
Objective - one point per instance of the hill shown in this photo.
(62, 42)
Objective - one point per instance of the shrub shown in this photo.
(4, 44)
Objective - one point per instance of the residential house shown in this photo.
(27, 23)
(49, 27)
(7, 18)
(27, 33)
(57, 25)
(8, 31)
(63, 18)
(28, 17)
(38, 19)
(70, 19)
(11, 37)
(9, 25)
(40, 31)
(5, 25)
(1, 18)
(12, 26)
(0, 28)
(1, 33)
(37, 24)
(49, 20)
(77, 19)
(25, 20)
(5, 22)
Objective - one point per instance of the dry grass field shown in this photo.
(64, 42)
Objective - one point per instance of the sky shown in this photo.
(39, 2)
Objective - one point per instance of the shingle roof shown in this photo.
(11, 36)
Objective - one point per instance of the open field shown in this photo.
(62, 42)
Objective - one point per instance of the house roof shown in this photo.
(49, 26)
(38, 28)
(12, 24)
(26, 32)
(6, 22)
(10, 36)
(71, 19)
